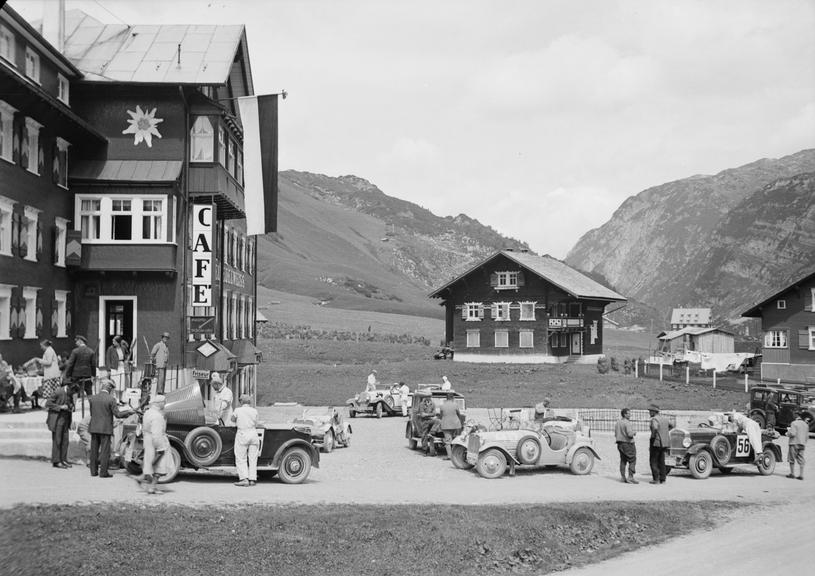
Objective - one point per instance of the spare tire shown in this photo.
(203, 446)
(529, 450)
(720, 447)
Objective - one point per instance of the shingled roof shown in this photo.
(553, 271)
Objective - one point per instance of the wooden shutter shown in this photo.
(40, 156)
(463, 311)
(494, 279)
(39, 240)
(55, 164)
(68, 309)
(16, 139)
(25, 161)
(13, 312)
(38, 315)
(54, 319)
(22, 229)
(21, 313)
(53, 243)
(803, 339)
(15, 233)
(521, 279)
(481, 311)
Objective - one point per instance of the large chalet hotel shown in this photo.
(122, 207)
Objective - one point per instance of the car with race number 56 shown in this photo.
(717, 444)
(199, 445)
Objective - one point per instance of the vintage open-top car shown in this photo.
(326, 426)
(549, 444)
(718, 444)
(418, 423)
(196, 444)
(378, 402)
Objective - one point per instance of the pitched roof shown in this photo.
(755, 310)
(691, 331)
(552, 270)
(155, 54)
(691, 316)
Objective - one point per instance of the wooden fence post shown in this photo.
(660, 371)
(687, 374)
(714, 379)
(746, 388)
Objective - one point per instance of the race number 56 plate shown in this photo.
(742, 445)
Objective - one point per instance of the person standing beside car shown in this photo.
(427, 417)
(404, 392)
(624, 436)
(798, 434)
(104, 407)
(222, 400)
(450, 422)
(247, 442)
(160, 356)
(156, 443)
(60, 406)
(660, 443)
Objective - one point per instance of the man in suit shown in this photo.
(81, 365)
(60, 407)
(103, 408)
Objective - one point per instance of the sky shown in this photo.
(537, 117)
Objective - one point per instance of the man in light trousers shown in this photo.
(247, 442)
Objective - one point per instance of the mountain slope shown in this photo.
(346, 244)
(719, 241)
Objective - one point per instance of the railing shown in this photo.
(604, 419)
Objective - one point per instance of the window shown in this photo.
(239, 165)
(812, 301)
(121, 219)
(526, 339)
(527, 310)
(564, 340)
(30, 298)
(60, 229)
(63, 89)
(242, 317)
(473, 311)
(225, 316)
(202, 140)
(32, 65)
(222, 146)
(250, 325)
(781, 304)
(811, 331)
(34, 154)
(6, 131)
(60, 298)
(32, 216)
(6, 212)
(230, 157)
(152, 211)
(500, 311)
(775, 339)
(61, 163)
(7, 44)
(233, 317)
(507, 280)
(501, 339)
(5, 311)
(90, 216)
(473, 339)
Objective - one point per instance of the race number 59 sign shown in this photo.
(202, 255)
(742, 445)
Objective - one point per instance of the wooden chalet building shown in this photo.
(788, 323)
(516, 307)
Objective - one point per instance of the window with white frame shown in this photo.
(250, 324)
(501, 339)
(61, 163)
(775, 339)
(473, 338)
(30, 298)
(812, 301)
(230, 157)
(507, 280)
(5, 311)
(6, 215)
(60, 230)
(202, 140)
(32, 65)
(61, 298)
(6, 131)
(781, 304)
(811, 330)
(239, 165)
(233, 324)
(527, 310)
(526, 339)
(63, 89)
(500, 311)
(222, 146)
(225, 316)
(7, 45)
(473, 311)
(127, 219)
(32, 217)
(32, 128)
(242, 330)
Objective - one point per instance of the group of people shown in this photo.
(448, 421)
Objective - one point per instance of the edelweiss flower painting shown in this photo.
(143, 126)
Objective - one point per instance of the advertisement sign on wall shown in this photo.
(202, 255)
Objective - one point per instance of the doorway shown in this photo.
(576, 341)
(118, 316)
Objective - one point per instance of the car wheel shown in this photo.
(379, 410)
(172, 464)
(295, 466)
(491, 463)
(328, 441)
(762, 422)
(411, 436)
(133, 468)
(203, 445)
(720, 446)
(529, 450)
(352, 413)
(582, 461)
(458, 456)
(346, 441)
(766, 462)
(701, 464)
(726, 470)
(389, 402)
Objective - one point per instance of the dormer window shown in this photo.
(32, 65)
(507, 280)
(63, 89)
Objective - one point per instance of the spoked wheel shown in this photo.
(295, 466)
(458, 457)
(379, 410)
(491, 464)
(172, 464)
(766, 462)
(328, 441)
(762, 422)
(582, 462)
(701, 465)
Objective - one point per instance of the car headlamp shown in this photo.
(686, 442)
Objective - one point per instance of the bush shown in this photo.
(602, 365)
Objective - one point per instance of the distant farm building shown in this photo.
(701, 340)
(691, 318)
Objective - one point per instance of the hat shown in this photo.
(215, 377)
(373, 371)
(245, 399)
(158, 399)
(653, 408)
(79, 337)
(108, 385)
(165, 334)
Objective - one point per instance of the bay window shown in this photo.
(121, 219)
(202, 140)
(222, 146)
(125, 219)
(152, 219)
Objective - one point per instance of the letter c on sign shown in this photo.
(205, 216)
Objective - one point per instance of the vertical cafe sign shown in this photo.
(202, 255)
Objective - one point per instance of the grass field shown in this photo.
(345, 540)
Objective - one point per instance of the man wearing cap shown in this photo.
(81, 365)
(247, 442)
(222, 400)
(798, 434)
(60, 406)
(660, 443)
(156, 444)
(160, 355)
(103, 408)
